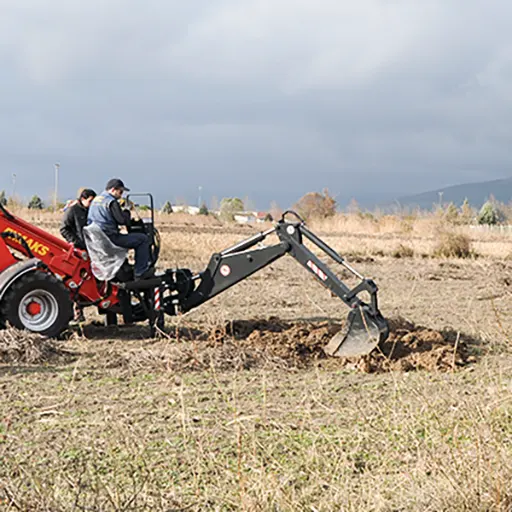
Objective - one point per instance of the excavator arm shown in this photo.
(365, 326)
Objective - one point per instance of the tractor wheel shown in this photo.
(38, 302)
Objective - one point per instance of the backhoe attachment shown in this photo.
(365, 327)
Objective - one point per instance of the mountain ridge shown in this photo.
(476, 193)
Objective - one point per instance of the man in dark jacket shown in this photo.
(75, 219)
(73, 223)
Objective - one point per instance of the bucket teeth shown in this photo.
(361, 334)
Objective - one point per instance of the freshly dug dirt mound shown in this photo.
(248, 344)
(25, 347)
(411, 347)
(408, 347)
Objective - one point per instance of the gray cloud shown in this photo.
(255, 97)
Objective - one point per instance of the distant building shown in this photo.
(252, 217)
(241, 217)
(191, 210)
(244, 218)
(263, 217)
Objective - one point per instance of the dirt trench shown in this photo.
(263, 343)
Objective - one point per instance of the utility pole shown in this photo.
(13, 185)
(199, 199)
(56, 192)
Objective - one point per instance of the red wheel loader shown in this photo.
(41, 276)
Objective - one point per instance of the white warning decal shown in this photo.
(225, 270)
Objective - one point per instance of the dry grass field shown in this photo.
(235, 407)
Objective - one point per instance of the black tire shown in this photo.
(52, 308)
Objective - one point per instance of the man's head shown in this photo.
(116, 188)
(86, 196)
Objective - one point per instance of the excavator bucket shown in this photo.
(362, 332)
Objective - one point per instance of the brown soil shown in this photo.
(247, 344)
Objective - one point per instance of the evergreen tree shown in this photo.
(167, 207)
(489, 215)
(36, 203)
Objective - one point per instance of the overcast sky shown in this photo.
(261, 98)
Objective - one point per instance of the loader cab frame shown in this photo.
(144, 208)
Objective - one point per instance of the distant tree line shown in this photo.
(321, 205)
(492, 213)
(35, 203)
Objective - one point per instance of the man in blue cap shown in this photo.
(106, 213)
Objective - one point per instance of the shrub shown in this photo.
(14, 203)
(467, 214)
(316, 205)
(275, 210)
(403, 251)
(204, 210)
(229, 206)
(56, 208)
(406, 226)
(167, 207)
(453, 245)
(367, 216)
(451, 214)
(490, 214)
(3, 198)
(36, 203)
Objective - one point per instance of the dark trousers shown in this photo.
(139, 242)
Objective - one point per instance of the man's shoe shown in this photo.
(148, 274)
